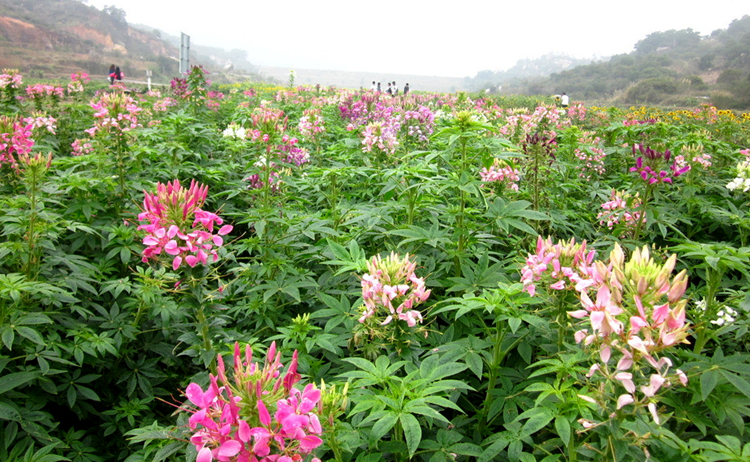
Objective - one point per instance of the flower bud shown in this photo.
(679, 284)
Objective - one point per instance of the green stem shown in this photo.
(562, 316)
(119, 150)
(462, 209)
(31, 232)
(196, 295)
(713, 282)
(644, 207)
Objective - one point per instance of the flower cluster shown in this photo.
(742, 181)
(419, 124)
(274, 180)
(726, 315)
(81, 147)
(311, 124)
(15, 140)
(381, 136)
(634, 122)
(194, 89)
(708, 113)
(559, 266)
(651, 163)
(501, 173)
(235, 131)
(293, 154)
(253, 413)
(390, 282)
(577, 111)
(77, 79)
(10, 79)
(638, 313)
(41, 121)
(518, 126)
(163, 104)
(621, 209)
(267, 124)
(591, 153)
(114, 112)
(41, 91)
(176, 225)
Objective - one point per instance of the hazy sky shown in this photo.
(423, 37)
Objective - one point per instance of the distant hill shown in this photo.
(52, 38)
(671, 68)
(526, 68)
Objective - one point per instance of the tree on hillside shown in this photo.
(685, 39)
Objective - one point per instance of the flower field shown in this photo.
(263, 274)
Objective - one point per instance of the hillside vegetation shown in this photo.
(53, 38)
(672, 68)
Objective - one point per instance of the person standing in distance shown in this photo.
(564, 100)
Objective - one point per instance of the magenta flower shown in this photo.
(656, 167)
(254, 413)
(177, 226)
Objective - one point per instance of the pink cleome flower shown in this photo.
(392, 289)
(176, 225)
(285, 424)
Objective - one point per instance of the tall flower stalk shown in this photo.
(179, 231)
(560, 269)
(33, 169)
(637, 314)
(654, 168)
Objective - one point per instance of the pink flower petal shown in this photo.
(230, 448)
(204, 455)
(624, 400)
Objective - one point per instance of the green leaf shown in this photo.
(168, 450)
(708, 382)
(30, 334)
(383, 425)
(72, 396)
(741, 384)
(538, 418)
(713, 262)
(260, 227)
(8, 337)
(34, 318)
(8, 412)
(11, 381)
(412, 432)
(475, 363)
(515, 449)
(88, 393)
(495, 448)
(563, 429)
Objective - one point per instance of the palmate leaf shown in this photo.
(434, 236)
(351, 260)
(511, 215)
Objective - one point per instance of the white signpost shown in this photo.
(184, 54)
